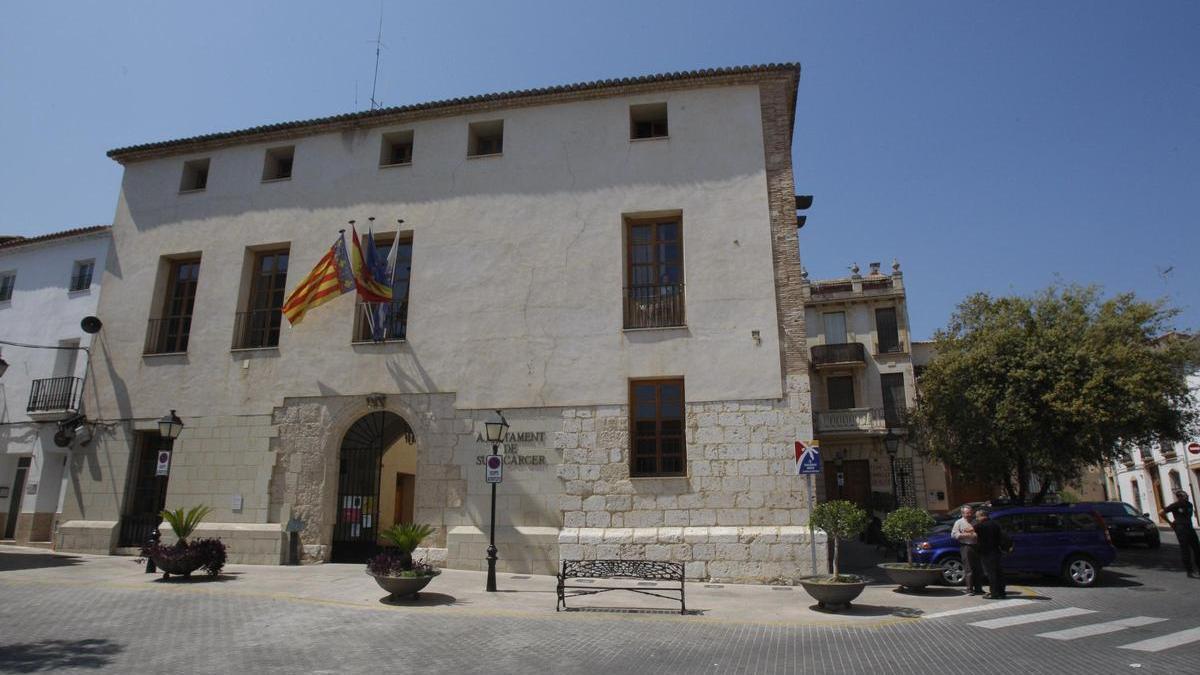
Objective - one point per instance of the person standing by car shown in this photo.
(993, 543)
(1181, 521)
(963, 532)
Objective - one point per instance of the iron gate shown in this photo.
(356, 528)
(905, 490)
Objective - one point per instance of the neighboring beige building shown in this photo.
(863, 383)
(548, 239)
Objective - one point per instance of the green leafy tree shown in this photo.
(839, 519)
(906, 524)
(1051, 384)
(183, 523)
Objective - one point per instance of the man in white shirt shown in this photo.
(968, 545)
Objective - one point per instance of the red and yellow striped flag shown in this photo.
(330, 278)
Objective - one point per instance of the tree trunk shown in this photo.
(835, 558)
(908, 546)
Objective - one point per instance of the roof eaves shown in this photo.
(20, 242)
(386, 115)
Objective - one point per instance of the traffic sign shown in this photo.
(1194, 448)
(493, 468)
(164, 463)
(808, 458)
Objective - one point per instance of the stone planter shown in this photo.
(915, 577)
(400, 587)
(832, 595)
(182, 568)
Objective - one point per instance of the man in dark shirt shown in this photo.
(1181, 521)
(993, 544)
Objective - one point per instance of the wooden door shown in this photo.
(856, 481)
(405, 490)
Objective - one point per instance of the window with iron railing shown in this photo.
(387, 322)
(169, 332)
(81, 275)
(258, 326)
(654, 269)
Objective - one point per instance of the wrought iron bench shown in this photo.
(643, 570)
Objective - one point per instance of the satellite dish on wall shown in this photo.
(63, 438)
(90, 324)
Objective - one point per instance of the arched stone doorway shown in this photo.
(360, 467)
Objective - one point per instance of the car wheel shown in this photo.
(952, 571)
(1154, 543)
(1080, 571)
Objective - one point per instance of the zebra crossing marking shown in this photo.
(1162, 642)
(1033, 618)
(1000, 604)
(1100, 628)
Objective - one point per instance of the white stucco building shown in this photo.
(1147, 477)
(47, 286)
(613, 264)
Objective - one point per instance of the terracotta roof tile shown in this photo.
(10, 242)
(145, 150)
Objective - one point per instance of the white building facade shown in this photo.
(48, 285)
(614, 265)
(1147, 477)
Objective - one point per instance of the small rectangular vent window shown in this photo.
(648, 120)
(396, 149)
(278, 163)
(485, 138)
(195, 175)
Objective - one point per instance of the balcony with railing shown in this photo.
(654, 306)
(168, 335)
(381, 322)
(54, 398)
(847, 354)
(257, 329)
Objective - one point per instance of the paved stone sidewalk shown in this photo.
(459, 592)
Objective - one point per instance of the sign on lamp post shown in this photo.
(1193, 448)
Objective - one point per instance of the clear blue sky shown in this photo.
(994, 146)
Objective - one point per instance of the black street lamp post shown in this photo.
(496, 429)
(891, 443)
(168, 429)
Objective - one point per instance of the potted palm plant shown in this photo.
(184, 556)
(839, 519)
(394, 569)
(904, 525)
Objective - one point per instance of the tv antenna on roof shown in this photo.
(375, 104)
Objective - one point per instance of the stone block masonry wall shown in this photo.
(218, 459)
(738, 515)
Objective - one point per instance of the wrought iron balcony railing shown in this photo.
(257, 329)
(55, 394)
(168, 335)
(852, 352)
(654, 306)
(389, 320)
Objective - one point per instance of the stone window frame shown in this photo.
(659, 436)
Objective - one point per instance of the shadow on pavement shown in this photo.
(28, 561)
(49, 655)
(198, 578)
(857, 609)
(931, 592)
(422, 600)
(635, 610)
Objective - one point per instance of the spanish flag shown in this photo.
(370, 288)
(330, 278)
